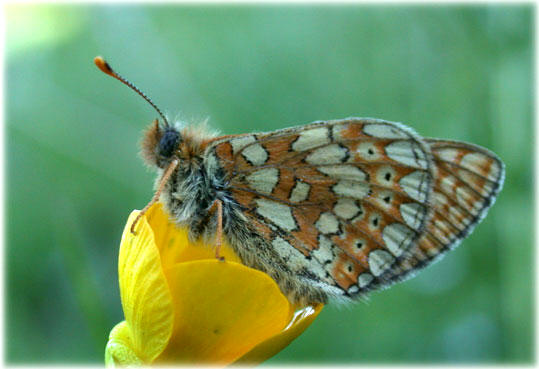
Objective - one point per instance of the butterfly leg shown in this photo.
(155, 198)
(218, 206)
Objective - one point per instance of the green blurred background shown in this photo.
(74, 175)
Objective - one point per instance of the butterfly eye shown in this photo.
(169, 143)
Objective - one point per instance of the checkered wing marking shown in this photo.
(467, 179)
(342, 202)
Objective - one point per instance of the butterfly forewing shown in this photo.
(343, 202)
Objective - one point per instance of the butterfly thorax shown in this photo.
(192, 188)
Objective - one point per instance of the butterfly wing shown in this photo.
(346, 204)
(467, 179)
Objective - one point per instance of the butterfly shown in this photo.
(331, 209)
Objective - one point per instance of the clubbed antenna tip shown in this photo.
(103, 65)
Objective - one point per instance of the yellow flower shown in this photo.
(182, 305)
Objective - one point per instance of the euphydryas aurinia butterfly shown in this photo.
(329, 209)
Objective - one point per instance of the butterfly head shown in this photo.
(160, 145)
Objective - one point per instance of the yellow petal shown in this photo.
(222, 310)
(119, 350)
(301, 320)
(203, 311)
(146, 299)
(174, 245)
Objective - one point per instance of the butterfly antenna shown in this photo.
(105, 68)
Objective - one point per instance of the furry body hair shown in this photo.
(192, 189)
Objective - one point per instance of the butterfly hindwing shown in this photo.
(467, 181)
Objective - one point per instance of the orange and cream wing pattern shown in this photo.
(467, 179)
(355, 204)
